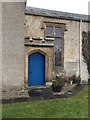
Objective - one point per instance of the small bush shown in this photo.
(58, 84)
(76, 79)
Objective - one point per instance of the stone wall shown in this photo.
(83, 64)
(73, 59)
(13, 18)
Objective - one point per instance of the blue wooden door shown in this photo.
(36, 69)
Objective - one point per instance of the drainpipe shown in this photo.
(80, 43)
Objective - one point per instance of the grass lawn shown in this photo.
(75, 107)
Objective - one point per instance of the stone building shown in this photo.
(53, 45)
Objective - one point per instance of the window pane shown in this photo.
(49, 31)
(57, 51)
(58, 32)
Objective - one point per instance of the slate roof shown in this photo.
(55, 14)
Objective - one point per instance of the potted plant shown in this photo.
(76, 79)
(58, 84)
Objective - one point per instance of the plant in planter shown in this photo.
(76, 79)
(58, 84)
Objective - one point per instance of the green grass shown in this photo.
(75, 107)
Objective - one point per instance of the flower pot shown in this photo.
(56, 88)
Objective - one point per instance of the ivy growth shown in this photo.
(86, 48)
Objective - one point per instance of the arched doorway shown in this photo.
(36, 69)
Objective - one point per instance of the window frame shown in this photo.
(62, 26)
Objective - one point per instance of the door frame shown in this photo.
(26, 65)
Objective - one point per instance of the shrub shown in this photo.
(76, 79)
(58, 84)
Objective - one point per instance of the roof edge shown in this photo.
(56, 14)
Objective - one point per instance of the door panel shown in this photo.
(36, 69)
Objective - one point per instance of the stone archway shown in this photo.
(46, 64)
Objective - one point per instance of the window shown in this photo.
(58, 52)
(49, 31)
(56, 31)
